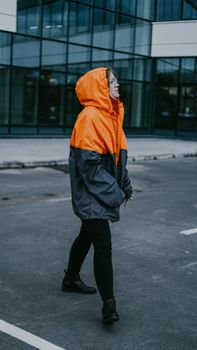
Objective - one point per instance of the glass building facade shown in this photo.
(59, 40)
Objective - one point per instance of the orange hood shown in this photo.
(92, 89)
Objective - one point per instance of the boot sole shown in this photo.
(110, 320)
(72, 290)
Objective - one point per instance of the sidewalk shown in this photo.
(21, 153)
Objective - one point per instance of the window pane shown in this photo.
(168, 10)
(190, 9)
(28, 19)
(80, 24)
(26, 51)
(4, 95)
(86, 1)
(167, 70)
(139, 69)
(166, 107)
(54, 55)
(78, 59)
(5, 48)
(148, 69)
(189, 70)
(125, 97)
(145, 9)
(52, 94)
(73, 106)
(101, 58)
(103, 28)
(143, 37)
(123, 65)
(139, 104)
(188, 108)
(127, 7)
(55, 20)
(124, 33)
(106, 4)
(24, 103)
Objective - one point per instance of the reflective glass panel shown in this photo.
(5, 48)
(127, 7)
(26, 51)
(4, 95)
(188, 108)
(55, 17)
(148, 69)
(190, 9)
(101, 58)
(52, 95)
(139, 69)
(53, 55)
(189, 70)
(123, 65)
(166, 107)
(86, 1)
(145, 9)
(80, 23)
(106, 4)
(25, 90)
(168, 10)
(167, 70)
(73, 106)
(142, 37)
(139, 105)
(28, 19)
(125, 97)
(103, 28)
(124, 33)
(78, 59)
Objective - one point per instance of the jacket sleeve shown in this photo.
(127, 187)
(97, 180)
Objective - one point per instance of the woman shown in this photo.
(99, 182)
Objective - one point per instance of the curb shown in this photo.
(160, 157)
(64, 164)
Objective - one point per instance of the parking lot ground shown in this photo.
(155, 264)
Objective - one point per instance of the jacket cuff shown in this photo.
(128, 192)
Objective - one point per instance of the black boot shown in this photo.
(109, 311)
(76, 285)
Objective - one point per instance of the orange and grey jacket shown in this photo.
(98, 152)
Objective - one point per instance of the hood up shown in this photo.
(92, 89)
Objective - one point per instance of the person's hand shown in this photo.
(126, 201)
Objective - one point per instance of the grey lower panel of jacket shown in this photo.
(98, 186)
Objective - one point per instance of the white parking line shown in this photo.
(189, 232)
(27, 337)
(59, 199)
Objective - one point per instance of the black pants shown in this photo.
(97, 232)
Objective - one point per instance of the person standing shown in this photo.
(99, 182)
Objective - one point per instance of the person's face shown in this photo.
(113, 87)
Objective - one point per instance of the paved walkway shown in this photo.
(17, 153)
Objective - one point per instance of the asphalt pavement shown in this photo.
(154, 258)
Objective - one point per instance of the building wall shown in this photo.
(174, 39)
(59, 40)
(8, 15)
(174, 53)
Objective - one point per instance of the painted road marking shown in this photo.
(27, 337)
(59, 199)
(189, 265)
(189, 232)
